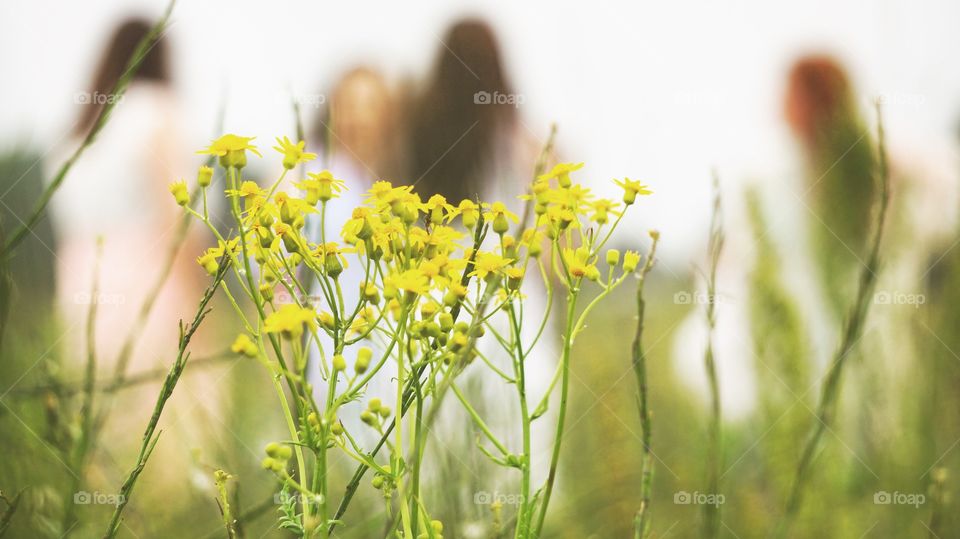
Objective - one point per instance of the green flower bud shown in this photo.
(446, 322)
(384, 412)
(266, 290)
(374, 405)
(500, 224)
(363, 360)
(613, 257)
(367, 417)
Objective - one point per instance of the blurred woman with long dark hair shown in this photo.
(465, 136)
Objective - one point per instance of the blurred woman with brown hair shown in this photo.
(465, 138)
(822, 111)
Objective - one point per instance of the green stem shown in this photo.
(564, 392)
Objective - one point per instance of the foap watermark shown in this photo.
(698, 498)
(97, 498)
(297, 498)
(309, 100)
(482, 497)
(101, 298)
(883, 497)
(496, 98)
(894, 297)
(686, 297)
(902, 99)
(97, 98)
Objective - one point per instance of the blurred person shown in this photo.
(117, 193)
(466, 137)
(822, 111)
(466, 141)
(357, 133)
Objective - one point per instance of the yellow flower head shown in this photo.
(412, 280)
(578, 263)
(244, 345)
(289, 320)
(231, 149)
(469, 211)
(437, 207)
(499, 214)
(561, 171)
(632, 188)
(602, 208)
(321, 186)
(179, 191)
(293, 154)
(631, 259)
(489, 263)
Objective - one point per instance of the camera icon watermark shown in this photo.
(686, 297)
(894, 297)
(883, 497)
(97, 498)
(496, 98)
(97, 98)
(482, 497)
(683, 497)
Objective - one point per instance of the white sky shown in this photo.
(660, 91)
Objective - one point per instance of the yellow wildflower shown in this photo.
(632, 188)
(179, 191)
(469, 212)
(498, 213)
(489, 263)
(289, 320)
(244, 345)
(293, 154)
(561, 171)
(631, 259)
(231, 149)
(322, 186)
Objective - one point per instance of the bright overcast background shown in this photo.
(660, 91)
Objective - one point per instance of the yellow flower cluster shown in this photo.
(422, 264)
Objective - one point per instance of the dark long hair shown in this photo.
(455, 128)
(114, 61)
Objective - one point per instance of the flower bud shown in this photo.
(384, 411)
(363, 360)
(371, 293)
(243, 345)
(278, 451)
(332, 264)
(428, 309)
(271, 464)
(374, 405)
(180, 193)
(500, 224)
(336, 428)
(339, 363)
(367, 417)
(204, 176)
(446, 321)
(613, 257)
